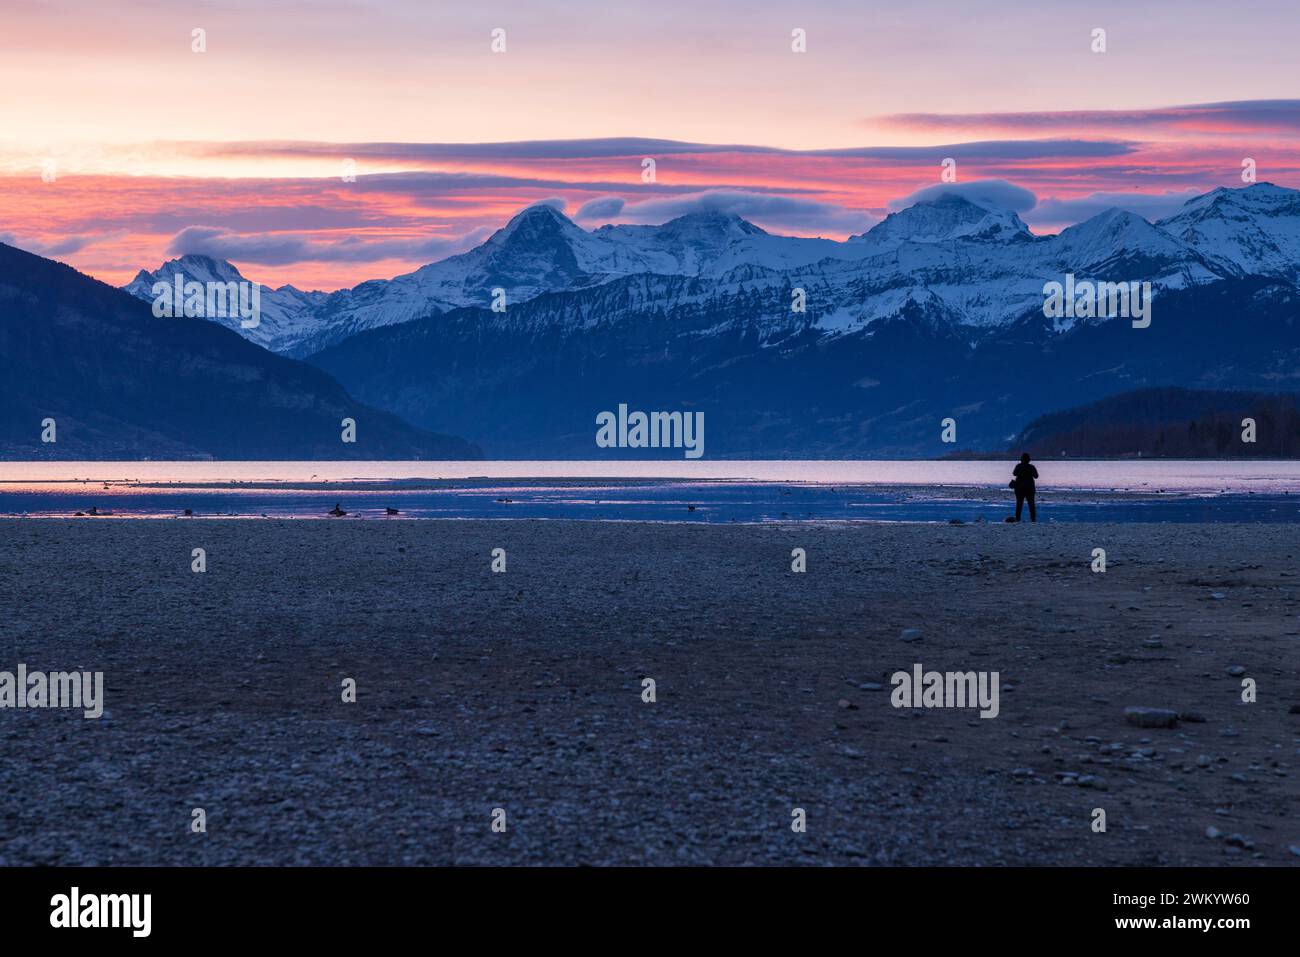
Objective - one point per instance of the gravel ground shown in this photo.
(522, 691)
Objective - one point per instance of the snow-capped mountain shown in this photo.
(528, 384)
(954, 262)
(948, 260)
(287, 316)
(947, 217)
(936, 311)
(1257, 228)
(711, 244)
(539, 250)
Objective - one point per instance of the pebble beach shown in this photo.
(525, 691)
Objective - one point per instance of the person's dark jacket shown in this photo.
(1025, 474)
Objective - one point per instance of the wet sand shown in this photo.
(522, 691)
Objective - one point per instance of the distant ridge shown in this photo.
(122, 384)
(971, 263)
(1169, 423)
(936, 312)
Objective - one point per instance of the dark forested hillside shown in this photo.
(1170, 423)
(120, 383)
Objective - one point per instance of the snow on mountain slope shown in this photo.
(970, 280)
(945, 218)
(1256, 228)
(713, 243)
(1119, 245)
(539, 250)
(981, 280)
(949, 259)
(287, 315)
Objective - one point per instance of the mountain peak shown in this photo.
(710, 222)
(539, 223)
(538, 214)
(1115, 218)
(1256, 227)
(195, 267)
(1266, 198)
(1113, 226)
(948, 216)
(200, 267)
(1270, 189)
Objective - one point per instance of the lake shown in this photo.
(693, 491)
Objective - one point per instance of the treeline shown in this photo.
(1170, 423)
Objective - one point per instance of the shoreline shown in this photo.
(657, 501)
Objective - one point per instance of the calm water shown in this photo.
(697, 491)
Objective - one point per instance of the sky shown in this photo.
(326, 142)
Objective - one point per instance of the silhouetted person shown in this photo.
(1023, 483)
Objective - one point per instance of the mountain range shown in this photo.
(968, 262)
(935, 312)
(538, 251)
